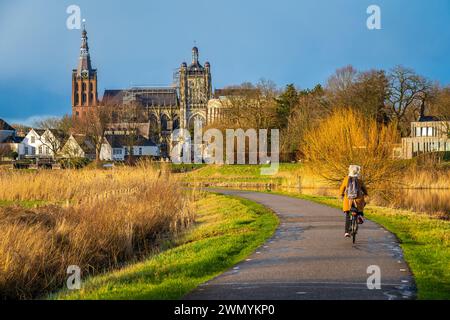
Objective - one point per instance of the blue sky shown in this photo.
(142, 42)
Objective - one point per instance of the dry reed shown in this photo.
(95, 219)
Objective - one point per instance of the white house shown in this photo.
(117, 147)
(428, 134)
(78, 146)
(41, 143)
(31, 143)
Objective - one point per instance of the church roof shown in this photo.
(5, 126)
(113, 97)
(146, 96)
(120, 141)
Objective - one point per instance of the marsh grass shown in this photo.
(94, 219)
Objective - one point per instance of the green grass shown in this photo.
(26, 204)
(239, 173)
(227, 230)
(425, 242)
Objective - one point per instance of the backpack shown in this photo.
(353, 188)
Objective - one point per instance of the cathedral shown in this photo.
(161, 109)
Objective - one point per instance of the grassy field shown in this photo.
(227, 230)
(425, 242)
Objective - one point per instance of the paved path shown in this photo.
(309, 258)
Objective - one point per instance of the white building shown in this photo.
(428, 134)
(40, 143)
(118, 147)
(78, 146)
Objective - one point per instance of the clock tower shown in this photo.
(84, 81)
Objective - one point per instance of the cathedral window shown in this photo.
(164, 122)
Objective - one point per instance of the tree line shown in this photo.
(397, 96)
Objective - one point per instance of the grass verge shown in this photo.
(425, 242)
(227, 230)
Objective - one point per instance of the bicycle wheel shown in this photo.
(354, 229)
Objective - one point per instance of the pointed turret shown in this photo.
(84, 64)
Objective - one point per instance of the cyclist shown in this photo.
(353, 191)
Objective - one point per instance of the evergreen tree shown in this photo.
(285, 103)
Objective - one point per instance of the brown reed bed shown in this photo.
(94, 219)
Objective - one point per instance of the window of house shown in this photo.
(40, 149)
(140, 151)
(47, 150)
(417, 132)
(424, 131)
(33, 139)
(33, 151)
(26, 150)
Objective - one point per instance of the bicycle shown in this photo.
(354, 221)
(354, 224)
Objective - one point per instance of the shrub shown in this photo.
(347, 137)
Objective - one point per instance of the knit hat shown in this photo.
(354, 170)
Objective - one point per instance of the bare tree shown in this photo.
(129, 118)
(251, 106)
(5, 151)
(408, 95)
(342, 80)
(440, 106)
(58, 130)
(94, 125)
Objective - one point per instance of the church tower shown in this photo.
(195, 90)
(84, 81)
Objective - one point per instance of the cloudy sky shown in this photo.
(142, 42)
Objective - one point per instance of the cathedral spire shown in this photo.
(84, 63)
(195, 56)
